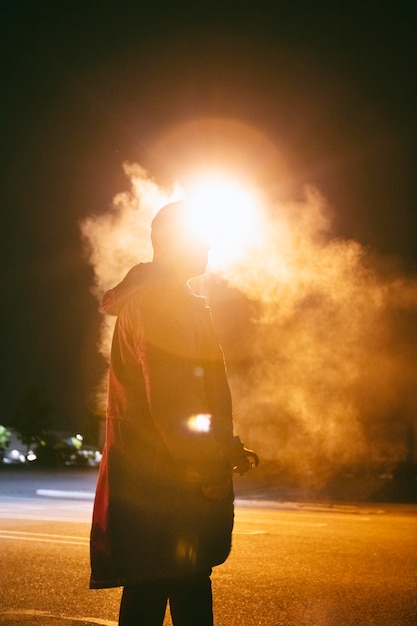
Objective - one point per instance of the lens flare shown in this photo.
(200, 423)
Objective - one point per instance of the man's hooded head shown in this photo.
(175, 244)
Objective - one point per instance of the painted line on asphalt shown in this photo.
(276, 522)
(49, 511)
(45, 518)
(75, 495)
(98, 621)
(44, 537)
(32, 534)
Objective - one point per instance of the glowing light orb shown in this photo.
(227, 213)
(200, 423)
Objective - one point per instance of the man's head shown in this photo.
(175, 245)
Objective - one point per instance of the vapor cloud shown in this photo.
(326, 368)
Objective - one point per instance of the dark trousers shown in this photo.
(190, 601)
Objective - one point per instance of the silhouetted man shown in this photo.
(163, 513)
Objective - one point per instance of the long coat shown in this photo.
(168, 433)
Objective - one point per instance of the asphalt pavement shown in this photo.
(41, 618)
(293, 563)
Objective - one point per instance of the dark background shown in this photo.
(89, 85)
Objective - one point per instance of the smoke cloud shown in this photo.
(322, 373)
(118, 239)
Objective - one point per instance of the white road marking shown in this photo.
(44, 537)
(49, 510)
(278, 522)
(91, 620)
(82, 519)
(56, 493)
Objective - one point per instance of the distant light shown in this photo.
(79, 437)
(200, 423)
(98, 456)
(31, 456)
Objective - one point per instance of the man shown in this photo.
(163, 512)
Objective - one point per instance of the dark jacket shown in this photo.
(151, 519)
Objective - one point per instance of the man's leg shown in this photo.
(144, 604)
(190, 600)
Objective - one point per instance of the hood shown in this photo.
(114, 299)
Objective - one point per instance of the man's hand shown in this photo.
(243, 459)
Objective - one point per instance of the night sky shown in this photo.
(87, 86)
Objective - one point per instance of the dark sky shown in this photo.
(89, 85)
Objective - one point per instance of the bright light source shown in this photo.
(200, 423)
(227, 213)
